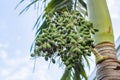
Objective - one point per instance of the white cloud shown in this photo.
(18, 52)
(20, 74)
(19, 37)
(21, 68)
(3, 54)
(4, 72)
(5, 45)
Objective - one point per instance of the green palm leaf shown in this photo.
(28, 6)
(66, 75)
(83, 3)
(39, 30)
(58, 4)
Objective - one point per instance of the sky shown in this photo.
(16, 37)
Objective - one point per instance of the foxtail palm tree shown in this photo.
(61, 32)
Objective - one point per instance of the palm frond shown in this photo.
(77, 73)
(28, 6)
(39, 30)
(19, 3)
(83, 3)
(86, 60)
(82, 7)
(66, 75)
(82, 70)
(58, 4)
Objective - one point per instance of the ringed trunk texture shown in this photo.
(108, 69)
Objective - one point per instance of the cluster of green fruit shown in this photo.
(68, 36)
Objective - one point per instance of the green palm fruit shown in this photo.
(51, 25)
(80, 41)
(92, 31)
(67, 62)
(75, 22)
(65, 13)
(39, 37)
(89, 24)
(63, 42)
(86, 36)
(83, 21)
(83, 43)
(40, 47)
(42, 55)
(44, 46)
(82, 48)
(60, 19)
(45, 39)
(96, 30)
(86, 33)
(86, 30)
(35, 50)
(45, 35)
(92, 45)
(73, 65)
(59, 43)
(39, 54)
(49, 30)
(68, 27)
(71, 49)
(90, 40)
(66, 20)
(73, 41)
(89, 51)
(70, 57)
(59, 27)
(33, 55)
(53, 61)
(75, 36)
(81, 29)
(69, 67)
(87, 47)
(61, 52)
(49, 37)
(46, 58)
(78, 51)
(52, 42)
(77, 13)
(58, 39)
(89, 54)
(48, 45)
(64, 59)
(62, 24)
(58, 54)
(79, 18)
(63, 31)
(38, 42)
(44, 30)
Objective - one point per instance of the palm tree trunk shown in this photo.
(109, 69)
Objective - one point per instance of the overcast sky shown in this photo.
(16, 36)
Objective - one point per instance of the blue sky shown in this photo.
(16, 36)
